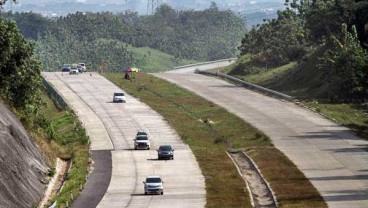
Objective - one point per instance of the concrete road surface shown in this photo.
(112, 127)
(333, 159)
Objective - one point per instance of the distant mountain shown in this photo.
(253, 10)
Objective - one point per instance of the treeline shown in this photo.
(102, 38)
(335, 30)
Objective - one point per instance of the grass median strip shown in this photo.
(210, 130)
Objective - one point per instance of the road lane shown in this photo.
(333, 159)
(184, 183)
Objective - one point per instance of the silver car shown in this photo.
(153, 184)
(141, 141)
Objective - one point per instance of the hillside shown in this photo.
(151, 60)
(101, 39)
(23, 168)
(302, 80)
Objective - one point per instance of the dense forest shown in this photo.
(330, 36)
(102, 39)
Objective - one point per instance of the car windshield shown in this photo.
(153, 180)
(66, 65)
(165, 148)
(141, 133)
(142, 138)
(119, 94)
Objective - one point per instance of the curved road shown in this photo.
(333, 159)
(118, 171)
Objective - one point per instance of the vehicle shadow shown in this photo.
(153, 159)
(156, 159)
(138, 194)
(132, 149)
(114, 102)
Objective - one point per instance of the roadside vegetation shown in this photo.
(321, 63)
(57, 133)
(332, 54)
(62, 136)
(210, 131)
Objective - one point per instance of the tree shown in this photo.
(323, 18)
(20, 79)
(345, 64)
(2, 2)
(277, 41)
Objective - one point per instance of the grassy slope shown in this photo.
(152, 60)
(274, 73)
(305, 81)
(224, 186)
(301, 80)
(64, 138)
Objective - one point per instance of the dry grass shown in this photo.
(210, 130)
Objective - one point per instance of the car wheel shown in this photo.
(145, 193)
(148, 148)
(172, 158)
(162, 192)
(135, 148)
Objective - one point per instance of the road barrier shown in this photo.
(53, 205)
(59, 101)
(247, 84)
(204, 63)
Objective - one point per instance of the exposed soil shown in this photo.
(261, 193)
(56, 181)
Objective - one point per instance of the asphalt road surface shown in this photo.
(333, 159)
(112, 128)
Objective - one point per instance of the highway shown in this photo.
(118, 169)
(331, 157)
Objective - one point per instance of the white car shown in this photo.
(74, 71)
(153, 184)
(82, 67)
(119, 97)
(141, 141)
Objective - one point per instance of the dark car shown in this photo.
(66, 68)
(165, 152)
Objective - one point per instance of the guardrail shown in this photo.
(204, 63)
(53, 205)
(247, 84)
(59, 101)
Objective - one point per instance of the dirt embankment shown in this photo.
(22, 167)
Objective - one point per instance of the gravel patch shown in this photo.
(261, 193)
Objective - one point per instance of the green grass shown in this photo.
(152, 60)
(188, 113)
(62, 136)
(273, 73)
(238, 67)
(303, 80)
